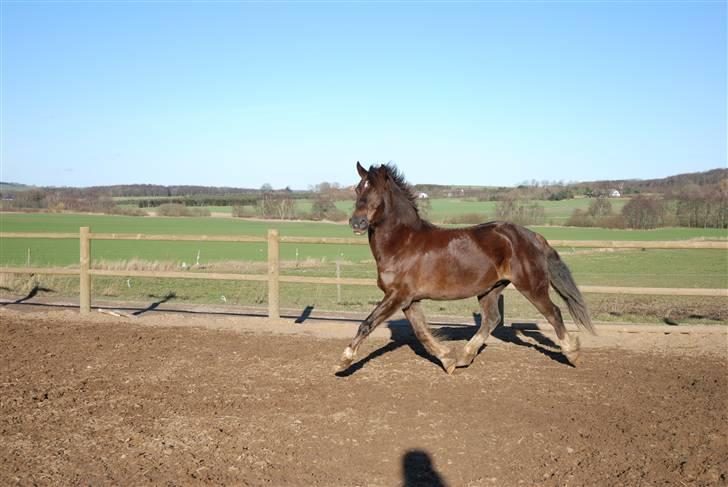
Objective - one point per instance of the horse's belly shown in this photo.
(456, 283)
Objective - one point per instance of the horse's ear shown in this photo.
(362, 172)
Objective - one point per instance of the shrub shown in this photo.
(579, 218)
(599, 214)
(600, 208)
(523, 212)
(564, 194)
(126, 211)
(172, 209)
(277, 206)
(325, 209)
(243, 211)
(611, 221)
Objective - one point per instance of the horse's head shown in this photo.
(370, 195)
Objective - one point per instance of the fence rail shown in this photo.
(274, 278)
(596, 244)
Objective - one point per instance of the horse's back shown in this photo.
(525, 260)
(520, 237)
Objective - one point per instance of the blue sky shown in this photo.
(292, 94)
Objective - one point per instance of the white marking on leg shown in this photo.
(348, 353)
(566, 345)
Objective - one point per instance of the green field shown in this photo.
(650, 268)
(44, 252)
(557, 212)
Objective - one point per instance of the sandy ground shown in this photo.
(175, 399)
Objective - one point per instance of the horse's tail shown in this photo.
(563, 283)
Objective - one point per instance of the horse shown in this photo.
(417, 260)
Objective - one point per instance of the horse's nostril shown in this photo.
(358, 223)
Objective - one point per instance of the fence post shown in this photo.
(338, 285)
(85, 279)
(273, 272)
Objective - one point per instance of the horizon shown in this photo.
(293, 94)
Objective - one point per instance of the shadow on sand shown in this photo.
(418, 470)
(402, 335)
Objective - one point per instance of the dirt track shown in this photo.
(110, 401)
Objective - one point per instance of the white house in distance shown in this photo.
(423, 196)
(615, 194)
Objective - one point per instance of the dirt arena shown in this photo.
(184, 400)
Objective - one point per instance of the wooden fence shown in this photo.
(274, 278)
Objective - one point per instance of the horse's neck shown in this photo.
(393, 232)
(402, 212)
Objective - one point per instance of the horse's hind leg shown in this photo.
(490, 319)
(542, 301)
(419, 324)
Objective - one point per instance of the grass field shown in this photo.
(65, 252)
(651, 268)
(557, 212)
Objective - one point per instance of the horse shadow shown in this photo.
(33, 293)
(167, 297)
(402, 335)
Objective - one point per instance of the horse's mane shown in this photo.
(398, 178)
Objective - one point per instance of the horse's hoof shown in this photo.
(571, 350)
(573, 357)
(449, 364)
(347, 358)
(341, 367)
(465, 360)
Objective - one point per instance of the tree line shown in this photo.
(692, 200)
(696, 209)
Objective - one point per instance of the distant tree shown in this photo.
(333, 191)
(172, 209)
(702, 207)
(240, 211)
(523, 212)
(34, 198)
(643, 212)
(564, 194)
(579, 218)
(324, 208)
(323, 187)
(276, 206)
(600, 208)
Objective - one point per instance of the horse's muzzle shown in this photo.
(359, 224)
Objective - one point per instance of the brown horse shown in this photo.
(417, 260)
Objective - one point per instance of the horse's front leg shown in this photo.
(384, 310)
